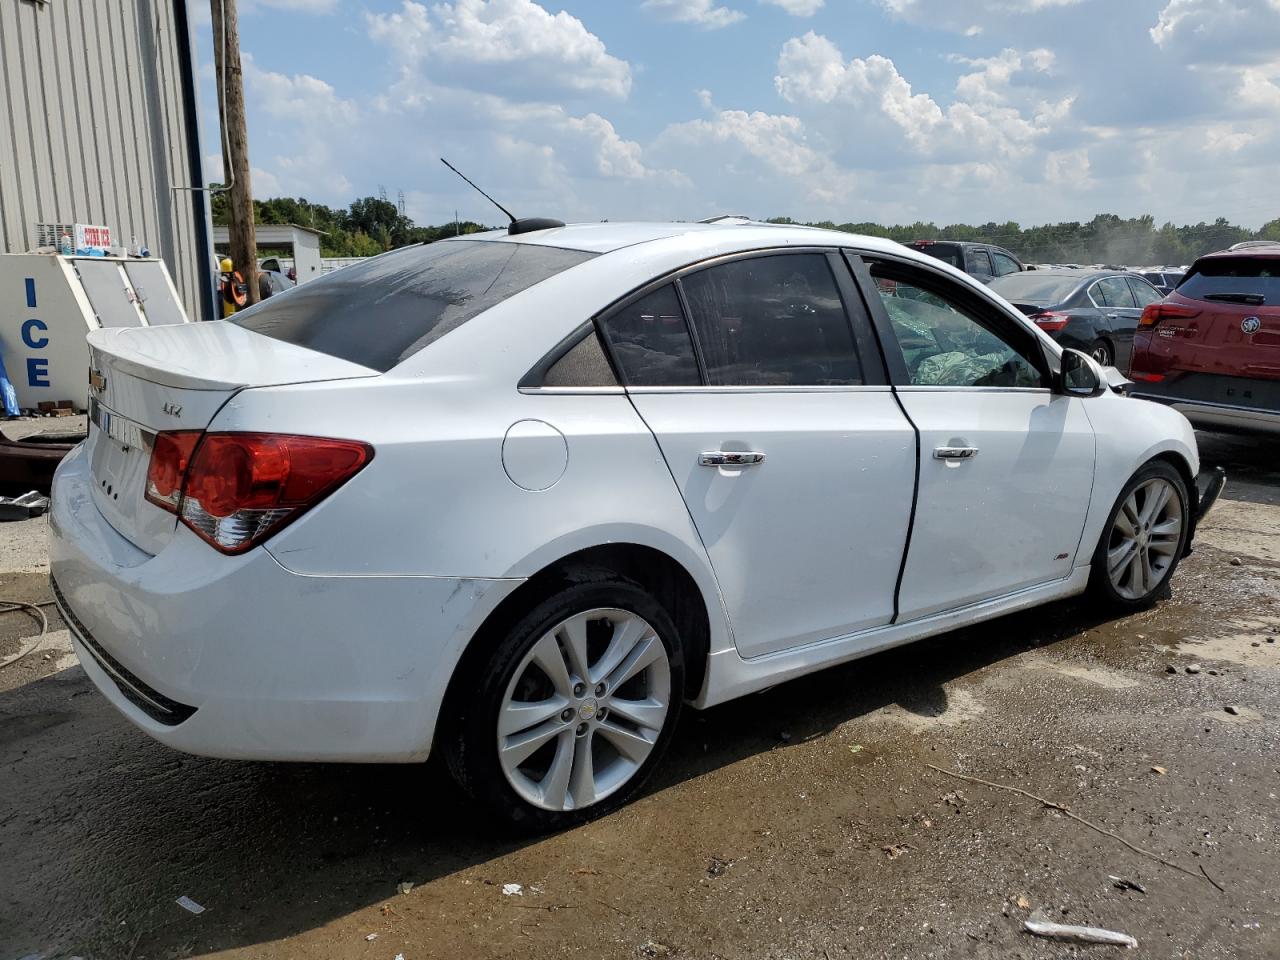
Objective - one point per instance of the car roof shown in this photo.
(1263, 250)
(961, 243)
(608, 237)
(1071, 273)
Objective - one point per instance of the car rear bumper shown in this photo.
(238, 657)
(1207, 401)
(1220, 416)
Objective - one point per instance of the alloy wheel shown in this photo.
(1145, 537)
(1102, 353)
(584, 709)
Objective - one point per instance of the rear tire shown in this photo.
(1143, 540)
(571, 711)
(1101, 352)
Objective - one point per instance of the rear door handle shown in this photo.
(731, 458)
(954, 453)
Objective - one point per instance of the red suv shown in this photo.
(1211, 348)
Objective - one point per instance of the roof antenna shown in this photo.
(527, 225)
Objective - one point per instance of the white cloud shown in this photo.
(510, 45)
(299, 96)
(752, 154)
(798, 8)
(813, 72)
(1069, 168)
(317, 121)
(1219, 31)
(701, 13)
(1044, 117)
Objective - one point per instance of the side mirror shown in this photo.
(1079, 376)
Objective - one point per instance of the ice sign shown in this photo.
(90, 235)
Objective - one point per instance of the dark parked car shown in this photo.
(1163, 280)
(1092, 311)
(982, 261)
(1211, 348)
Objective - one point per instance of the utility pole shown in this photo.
(229, 77)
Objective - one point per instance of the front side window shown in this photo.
(946, 344)
(979, 264)
(650, 341)
(383, 310)
(772, 321)
(1005, 265)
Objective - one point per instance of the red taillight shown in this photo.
(170, 457)
(1145, 377)
(1153, 313)
(1050, 321)
(239, 488)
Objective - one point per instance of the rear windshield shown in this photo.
(946, 252)
(1227, 279)
(1035, 287)
(385, 309)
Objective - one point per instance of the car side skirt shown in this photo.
(730, 676)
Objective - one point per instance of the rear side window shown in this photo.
(1114, 292)
(1249, 280)
(772, 321)
(384, 310)
(651, 343)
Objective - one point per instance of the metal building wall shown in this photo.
(98, 123)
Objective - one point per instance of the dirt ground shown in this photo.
(804, 822)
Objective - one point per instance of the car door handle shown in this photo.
(954, 453)
(730, 458)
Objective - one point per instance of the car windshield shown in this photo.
(385, 309)
(1250, 280)
(1035, 287)
(946, 252)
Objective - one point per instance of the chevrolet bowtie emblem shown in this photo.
(97, 380)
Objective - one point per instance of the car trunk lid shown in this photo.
(147, 380)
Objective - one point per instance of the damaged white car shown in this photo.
(519, 497)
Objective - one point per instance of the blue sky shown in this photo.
(883, 110)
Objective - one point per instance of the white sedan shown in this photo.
(518, 498)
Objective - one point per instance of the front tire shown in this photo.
(1143, 540)
(572, 710)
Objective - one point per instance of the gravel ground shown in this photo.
(804, 822)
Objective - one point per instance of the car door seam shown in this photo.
(715, 577)
(1093, 485)
(911, 518)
